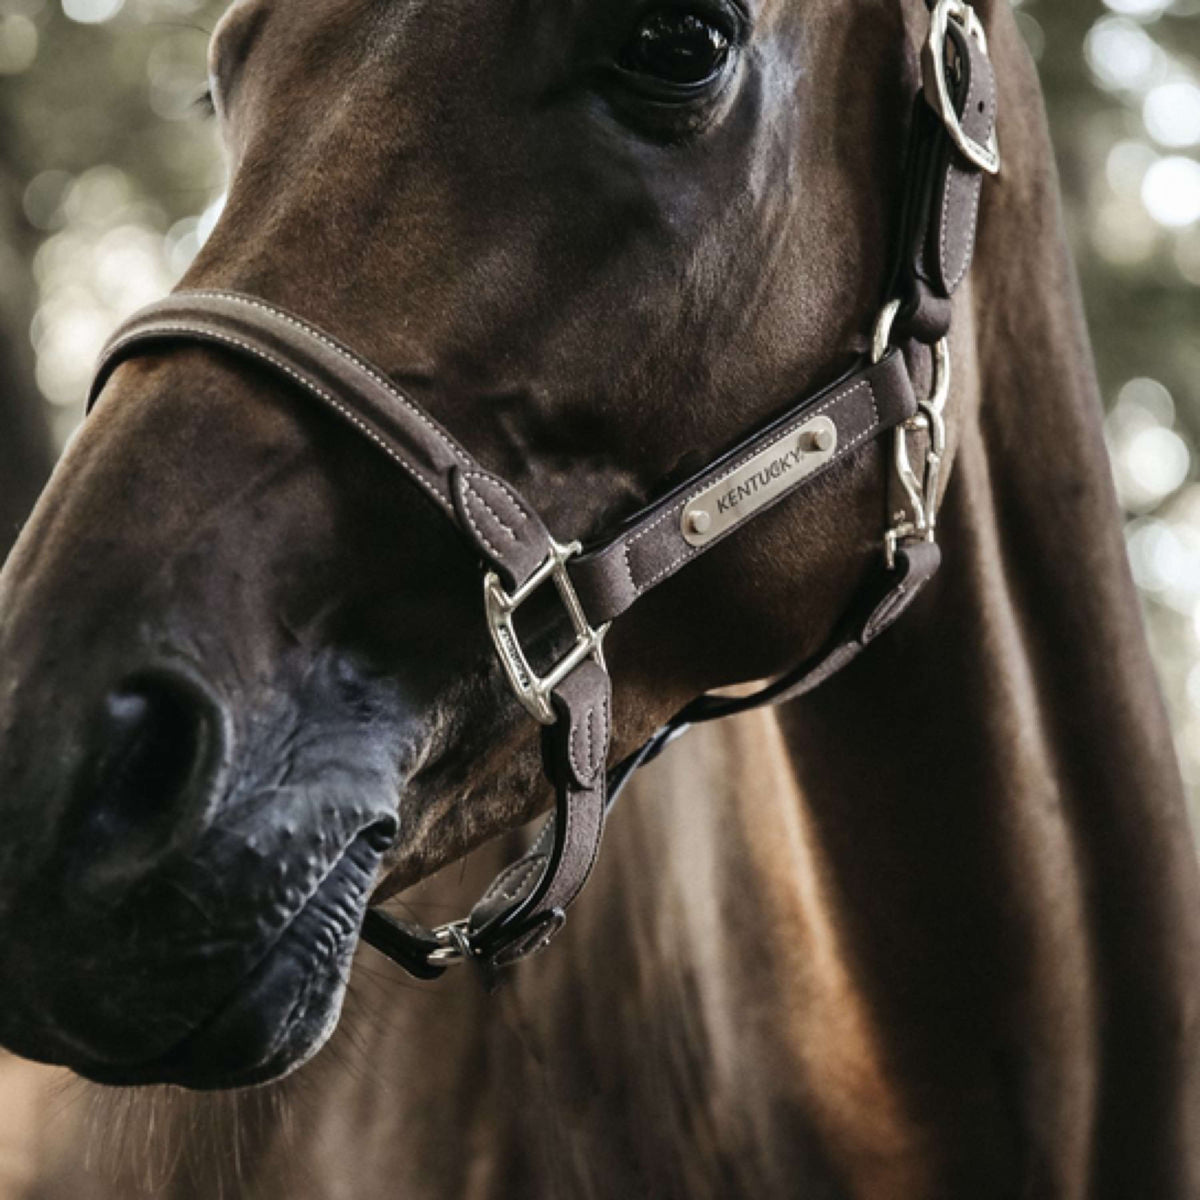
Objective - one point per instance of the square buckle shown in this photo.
(533, 690)
(937, 86)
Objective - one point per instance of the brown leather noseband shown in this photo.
(952, 145)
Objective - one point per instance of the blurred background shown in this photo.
(110, 178)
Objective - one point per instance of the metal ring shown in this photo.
(455, 945)
(939, 389)
(881, 339)
(531, 689)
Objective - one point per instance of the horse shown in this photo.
(928, 930)
(25, 458)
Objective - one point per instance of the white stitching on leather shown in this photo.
(429, 484)
(675, 509)
(483, 500)
(586, 770)
(517, 503)
(474, 524)
(517, 885)
(532, 859)
(345, 353)
(471, 491)
(976, 186)
(589, 749)
(607, 718)
(541, 837)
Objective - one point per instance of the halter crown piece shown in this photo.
(951, 147)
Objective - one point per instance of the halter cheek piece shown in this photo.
(952, 145)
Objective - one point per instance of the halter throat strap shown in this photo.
(526, 905)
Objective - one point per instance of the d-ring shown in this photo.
(881, 339)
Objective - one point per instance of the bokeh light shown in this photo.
(1146, 9)
(18, 43)
(1171, 112)
(91, 12)
(1141, 272)
(127, 171)
(1171, 191)
(1123, 56)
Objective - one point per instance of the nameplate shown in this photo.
(763, 478)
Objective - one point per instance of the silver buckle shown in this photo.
(454, 945)
(937, 86)
(533, 690)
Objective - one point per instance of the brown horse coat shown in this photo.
(932, 932)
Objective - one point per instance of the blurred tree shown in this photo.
(25, 455)
(78, 96)
(108, 162)
(1125, 115)
(1141, 308)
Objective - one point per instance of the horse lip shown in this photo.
(193, 1060)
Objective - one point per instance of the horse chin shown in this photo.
(289, 1006)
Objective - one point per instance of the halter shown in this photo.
(952, 146)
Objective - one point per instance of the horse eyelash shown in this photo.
(205, 105)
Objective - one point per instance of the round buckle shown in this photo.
(937, 85)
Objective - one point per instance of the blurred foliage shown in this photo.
(1122, 83)
(1139, 279)
(106, 161)
(109, 175)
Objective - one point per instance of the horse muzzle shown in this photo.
(182, 920)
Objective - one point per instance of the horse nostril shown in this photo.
(157, 751)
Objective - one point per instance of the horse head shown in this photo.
(245, 670)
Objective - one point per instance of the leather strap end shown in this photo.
(583, 703)
(500, 525)
(407, 945)
(525, 907)
(892, 391)
(916, 565)
(950, 242)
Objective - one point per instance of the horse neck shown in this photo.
(993, 835)
(945, 911)
(1001, 828)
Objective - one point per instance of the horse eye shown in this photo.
(677, 47)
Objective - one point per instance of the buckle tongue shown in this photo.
(534, 690)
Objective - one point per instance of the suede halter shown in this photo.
(952, 146)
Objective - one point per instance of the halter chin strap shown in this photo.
(953, 142)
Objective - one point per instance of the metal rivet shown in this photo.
(820, 440)
(699, 521)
